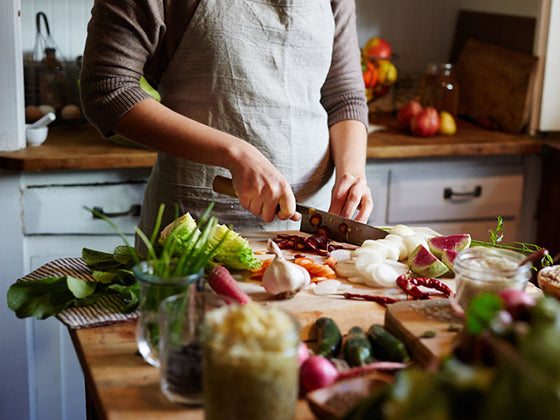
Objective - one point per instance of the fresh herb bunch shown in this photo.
(496, 237)
(163, 258)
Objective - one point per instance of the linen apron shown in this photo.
(253, 69)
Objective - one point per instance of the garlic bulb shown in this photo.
(283, 278)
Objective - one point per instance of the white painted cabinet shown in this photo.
(454, 195)
(46, 220)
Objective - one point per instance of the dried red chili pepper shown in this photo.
(410, 286)
(382, 300)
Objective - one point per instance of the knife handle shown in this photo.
(223, 185)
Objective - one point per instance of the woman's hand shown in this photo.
(348, 140)
(261, 188)
(349, 194)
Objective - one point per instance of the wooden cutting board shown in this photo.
(429, 328)
(495, 85)
(306, 306)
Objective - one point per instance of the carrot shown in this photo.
(316, 269)
(223, 283)
(258, 273)
(331, 261)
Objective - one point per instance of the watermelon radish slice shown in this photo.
(457, 243)
(425, 264)
(448, 257)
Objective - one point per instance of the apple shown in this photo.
(377, 47)
(425, 123)
(405, 114)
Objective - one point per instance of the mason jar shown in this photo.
(250, 367)
(488, 270)
(439, 88)
(153, 290)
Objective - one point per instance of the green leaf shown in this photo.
(98, 260)
(80, 288)
(481, 312)
(122, 254)
(39, 298)
(104, 277)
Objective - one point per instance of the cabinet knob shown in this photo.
(134, 211)
(448, 193)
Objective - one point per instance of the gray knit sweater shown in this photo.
(130, 38)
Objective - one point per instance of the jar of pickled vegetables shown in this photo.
(488, 270)
(250, 368)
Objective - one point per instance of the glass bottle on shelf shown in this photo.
(439, 88)
(51, 80)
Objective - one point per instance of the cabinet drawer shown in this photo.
(454, 193)
(59, 209)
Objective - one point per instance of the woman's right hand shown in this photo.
(261, 188)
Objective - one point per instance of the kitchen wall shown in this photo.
(420, 31)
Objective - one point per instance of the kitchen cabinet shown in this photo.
(45, 221)
(455, 194)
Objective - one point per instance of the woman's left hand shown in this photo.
(349, 194)
(348, 140)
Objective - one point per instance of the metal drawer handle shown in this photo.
(133, 211)
(448, 193)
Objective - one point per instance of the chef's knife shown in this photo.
(338, 228)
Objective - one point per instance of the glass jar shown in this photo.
(180, 355)
(250, 368)
(52, 81)
(488, 270)
(439, 88)
(153, 289)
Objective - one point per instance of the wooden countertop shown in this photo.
(76, 147)
(120, 385)
(469, 140)
(82, 147)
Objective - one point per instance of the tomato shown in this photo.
(377, 47)
(370, 74)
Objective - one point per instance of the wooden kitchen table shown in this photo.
(120, 385)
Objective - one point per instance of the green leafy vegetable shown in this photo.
(482, 310)
(496, 237)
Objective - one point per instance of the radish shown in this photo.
(302, 353)
(223, 283)
(318, 372)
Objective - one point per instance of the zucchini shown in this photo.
(329, 338)
(357, 348)
(386, 346)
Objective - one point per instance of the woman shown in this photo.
(266, 92)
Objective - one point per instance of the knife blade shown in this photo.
(338, 228)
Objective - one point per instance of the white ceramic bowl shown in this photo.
(36, 136)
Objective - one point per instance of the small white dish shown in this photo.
(36, 136)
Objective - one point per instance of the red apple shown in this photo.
(409, 110)
(377, 47)
(425, 123)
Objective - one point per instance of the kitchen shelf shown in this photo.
(390, 142)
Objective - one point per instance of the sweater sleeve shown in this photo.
(343, 94)
(122, 36)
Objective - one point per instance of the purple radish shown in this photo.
(423, 263)
(448, 257)
(438, 244)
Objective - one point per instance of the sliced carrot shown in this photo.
(304, 261)
(331, 261)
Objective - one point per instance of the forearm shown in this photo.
(157, 127)
(348, 142)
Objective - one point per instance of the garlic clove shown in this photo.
(284, 279)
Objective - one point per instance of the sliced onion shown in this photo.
(392, 249)
(346, 268)
(401, 230)
(326, 287)
(374, 244)
(341, 254)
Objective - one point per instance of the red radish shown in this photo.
(425, 123)
(318, 372)
(302, 353)
(517, 302)
(409, 110)
(223, 283)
